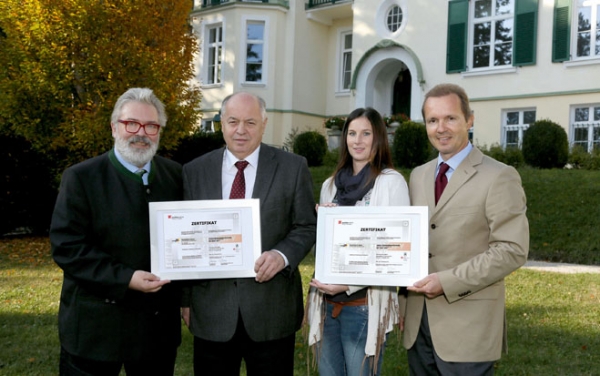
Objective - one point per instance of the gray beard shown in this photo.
(135, 156)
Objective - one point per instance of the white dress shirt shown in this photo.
(228, 175)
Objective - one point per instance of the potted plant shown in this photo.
(334, 122)
(395, 120)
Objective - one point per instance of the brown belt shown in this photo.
(337, 306)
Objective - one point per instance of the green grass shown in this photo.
(553, 319)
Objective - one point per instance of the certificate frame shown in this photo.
(357, 245)
(216, 239)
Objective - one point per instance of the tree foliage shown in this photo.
(64, 63)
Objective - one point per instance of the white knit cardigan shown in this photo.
(390, 189)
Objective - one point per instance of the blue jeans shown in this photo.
(342, 348)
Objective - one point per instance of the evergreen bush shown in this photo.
(411, 145)
(311, 145)
(545, 145)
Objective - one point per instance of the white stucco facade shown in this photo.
(305, 41)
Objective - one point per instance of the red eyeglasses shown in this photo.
(133, 127)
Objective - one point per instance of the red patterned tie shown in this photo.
(238, 189)
(440, 181)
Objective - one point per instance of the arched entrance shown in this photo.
(389, 78)
(401, 93)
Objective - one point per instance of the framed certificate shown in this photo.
(204, 239)
(372, 245)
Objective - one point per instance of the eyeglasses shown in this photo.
(133, 127)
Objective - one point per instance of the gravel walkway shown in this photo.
(561, 268)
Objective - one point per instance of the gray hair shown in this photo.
(261, 103)
(142, 95)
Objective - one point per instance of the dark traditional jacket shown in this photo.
(100, 235)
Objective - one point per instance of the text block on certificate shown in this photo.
(372, 245)
(204, 239)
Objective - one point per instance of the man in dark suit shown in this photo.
(478, 234)
(245, 318)
(113, 312)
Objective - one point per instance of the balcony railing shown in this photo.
(209, 3)
(316, 3)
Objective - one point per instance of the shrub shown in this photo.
(312, 146)
(411, 146)
(511, 156)
(288, 144)
(580, 158)
(196, 144)
(594, 161)
(545, 145)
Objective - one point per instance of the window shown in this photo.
(215, 55)
(585, 128)
(514, 126)
(576, 34)
(588, 29)
(255, 32)
(391, 18)
(394, 19)
(346, 61)
(492, 33)
(485, 34)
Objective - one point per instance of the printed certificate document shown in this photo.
(204, 239)
(374, 246)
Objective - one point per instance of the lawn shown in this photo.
(553, 319)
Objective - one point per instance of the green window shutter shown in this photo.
(526, 12)
(561, 33)
(456, 48)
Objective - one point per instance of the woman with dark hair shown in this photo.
(348, 324)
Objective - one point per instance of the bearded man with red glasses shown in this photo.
(113, 313)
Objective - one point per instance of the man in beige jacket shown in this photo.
(478, 234)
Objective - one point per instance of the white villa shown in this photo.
(519, 60)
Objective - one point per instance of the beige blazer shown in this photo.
(478, 234)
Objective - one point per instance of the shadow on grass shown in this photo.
(30, 344)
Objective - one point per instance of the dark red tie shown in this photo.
(238, 189)
(440, 181)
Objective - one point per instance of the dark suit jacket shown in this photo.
(100, 235)
(478, 234)
(270, 310)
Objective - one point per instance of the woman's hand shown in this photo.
(327, 288)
